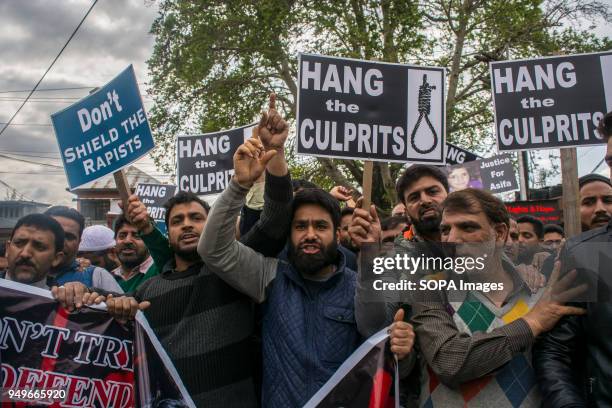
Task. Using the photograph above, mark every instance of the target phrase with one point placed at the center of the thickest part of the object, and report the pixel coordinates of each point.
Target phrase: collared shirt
(142, 268)
(144, 271)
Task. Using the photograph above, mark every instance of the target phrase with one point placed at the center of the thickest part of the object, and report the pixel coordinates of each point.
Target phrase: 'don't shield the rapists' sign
(103, 132)
(367, 110)
(552, 102)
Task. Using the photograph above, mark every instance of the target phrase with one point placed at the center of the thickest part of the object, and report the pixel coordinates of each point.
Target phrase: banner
(551, 102)
(495, 174)
(368, 110)
(367, 379)
(457, 155)
(55, 358)
(205, 162)
(103, 132)
(546, 211)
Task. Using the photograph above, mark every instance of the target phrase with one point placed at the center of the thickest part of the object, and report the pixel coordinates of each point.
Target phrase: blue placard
(103, 132)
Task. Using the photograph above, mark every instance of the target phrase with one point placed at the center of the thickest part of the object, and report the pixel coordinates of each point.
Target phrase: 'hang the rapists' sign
(154, 196)
(366, 110)
(551, 102)
(103, 132)
(205, 162)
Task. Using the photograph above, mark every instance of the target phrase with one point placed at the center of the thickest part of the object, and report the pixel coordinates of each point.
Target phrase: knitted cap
(97, 238)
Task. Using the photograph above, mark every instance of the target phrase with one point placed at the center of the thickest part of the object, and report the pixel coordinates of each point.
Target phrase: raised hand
(551, 306)
(402, 335)
(250, 161)
(365, 226)
(272, 130)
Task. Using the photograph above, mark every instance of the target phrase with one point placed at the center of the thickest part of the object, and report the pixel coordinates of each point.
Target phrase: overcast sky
(115, 34)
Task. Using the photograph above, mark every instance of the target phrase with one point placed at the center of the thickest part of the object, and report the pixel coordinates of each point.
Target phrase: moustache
(428, 207)
(602, 217)
(24, 262)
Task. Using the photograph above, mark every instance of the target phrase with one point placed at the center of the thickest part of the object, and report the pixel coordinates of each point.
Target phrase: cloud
(114, 35)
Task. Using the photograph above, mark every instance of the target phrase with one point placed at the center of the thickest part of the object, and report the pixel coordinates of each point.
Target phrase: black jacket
(573, 362)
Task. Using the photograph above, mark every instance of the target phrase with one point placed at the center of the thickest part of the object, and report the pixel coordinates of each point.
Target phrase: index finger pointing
(272, 101)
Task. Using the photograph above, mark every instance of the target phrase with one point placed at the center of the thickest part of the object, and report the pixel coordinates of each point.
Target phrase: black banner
(457, 155)
(367, 110)
(55, 358)
(495, 174)
(551, 102)
(205, 162)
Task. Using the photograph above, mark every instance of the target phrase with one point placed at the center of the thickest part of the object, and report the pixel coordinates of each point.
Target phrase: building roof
(133, 174)
(24, 203)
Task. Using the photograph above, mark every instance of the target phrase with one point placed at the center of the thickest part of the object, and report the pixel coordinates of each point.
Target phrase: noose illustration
(424, 110)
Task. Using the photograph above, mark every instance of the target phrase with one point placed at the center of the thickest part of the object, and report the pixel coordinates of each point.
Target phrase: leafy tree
(214, 63)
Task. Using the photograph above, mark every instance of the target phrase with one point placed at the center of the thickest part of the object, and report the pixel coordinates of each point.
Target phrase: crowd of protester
(258, 300)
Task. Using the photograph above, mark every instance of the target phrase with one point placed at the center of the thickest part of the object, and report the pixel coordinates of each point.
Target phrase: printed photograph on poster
(551, 102)
(205, 162)
(370, 110)
(495, 174)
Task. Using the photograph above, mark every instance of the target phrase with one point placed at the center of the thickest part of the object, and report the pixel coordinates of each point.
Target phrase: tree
(214, 63)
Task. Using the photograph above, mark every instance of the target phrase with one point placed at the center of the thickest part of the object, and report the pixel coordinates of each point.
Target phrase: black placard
(367, 110)
(551, 102)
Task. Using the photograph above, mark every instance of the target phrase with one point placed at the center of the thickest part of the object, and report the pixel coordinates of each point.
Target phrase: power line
(50, 66)
(30, 161)
(59, 89)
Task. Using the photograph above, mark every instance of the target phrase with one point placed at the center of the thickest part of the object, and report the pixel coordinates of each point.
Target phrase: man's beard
(189, 255)
(348, 244)
(131, 261)
(311, 264)
(428, 225)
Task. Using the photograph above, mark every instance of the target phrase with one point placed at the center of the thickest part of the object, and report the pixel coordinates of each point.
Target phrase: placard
(103, 132)
(552, 102)
(205, 162)
(368, 110)
(495, 174)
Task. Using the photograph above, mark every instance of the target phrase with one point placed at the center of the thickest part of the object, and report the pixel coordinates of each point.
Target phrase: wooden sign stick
(368, 167)
(569, 181)
(123, 186)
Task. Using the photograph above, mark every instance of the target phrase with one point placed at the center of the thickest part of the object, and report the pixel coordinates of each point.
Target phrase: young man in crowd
(135, 263)
(574, 361)
(314, 291)
(98, 247)
(69, 270)
(531, 234)
(512, 242)
(204, 324)
(553, 237)
(476, 344)
(595, 201)
(34, 249)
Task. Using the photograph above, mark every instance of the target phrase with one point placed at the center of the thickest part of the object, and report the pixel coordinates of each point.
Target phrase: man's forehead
(311, 212)
(525, 226)
(33, 232)
(187, 208)
(423, 183)
(456, 217)
(595, 188)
